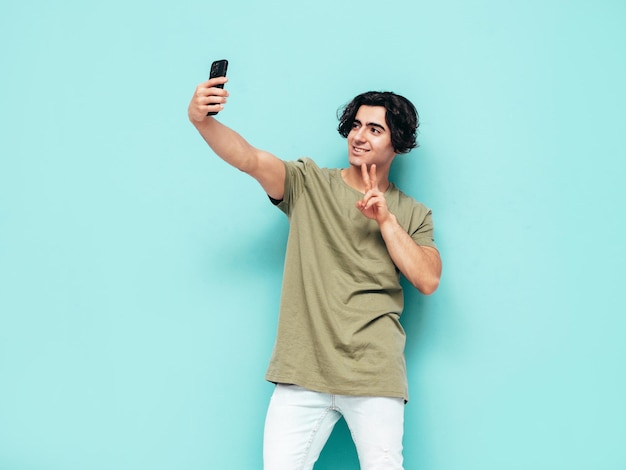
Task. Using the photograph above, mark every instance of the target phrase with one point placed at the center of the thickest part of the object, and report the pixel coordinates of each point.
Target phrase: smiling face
(369, 139)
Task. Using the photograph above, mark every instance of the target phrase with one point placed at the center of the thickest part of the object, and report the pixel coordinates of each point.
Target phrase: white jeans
(299, 423)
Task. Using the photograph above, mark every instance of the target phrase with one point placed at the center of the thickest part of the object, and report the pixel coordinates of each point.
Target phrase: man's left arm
(421, 265)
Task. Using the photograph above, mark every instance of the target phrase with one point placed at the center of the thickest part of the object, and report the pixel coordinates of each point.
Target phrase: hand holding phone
(218, 69)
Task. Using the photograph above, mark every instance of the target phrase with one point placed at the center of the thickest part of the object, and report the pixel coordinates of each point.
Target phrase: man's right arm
(266, 168)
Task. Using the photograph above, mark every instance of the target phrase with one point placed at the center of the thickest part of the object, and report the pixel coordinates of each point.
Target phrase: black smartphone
(218, 69)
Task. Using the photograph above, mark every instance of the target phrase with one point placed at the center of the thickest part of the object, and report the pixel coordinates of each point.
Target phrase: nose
(358, 134)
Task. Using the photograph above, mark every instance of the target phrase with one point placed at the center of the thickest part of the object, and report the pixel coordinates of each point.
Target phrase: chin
(358, 158)
(356, 161)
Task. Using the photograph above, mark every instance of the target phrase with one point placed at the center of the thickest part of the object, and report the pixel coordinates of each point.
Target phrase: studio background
(140, 275)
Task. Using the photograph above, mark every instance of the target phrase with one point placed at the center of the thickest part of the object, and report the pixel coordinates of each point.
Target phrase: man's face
(369, 140)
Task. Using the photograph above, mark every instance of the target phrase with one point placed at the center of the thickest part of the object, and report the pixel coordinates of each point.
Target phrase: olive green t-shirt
(339, 329)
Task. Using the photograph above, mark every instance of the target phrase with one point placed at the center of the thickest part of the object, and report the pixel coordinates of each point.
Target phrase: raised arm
(266, 168)
(421, 265)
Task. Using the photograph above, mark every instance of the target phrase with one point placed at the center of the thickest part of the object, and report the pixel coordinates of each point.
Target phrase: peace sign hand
(373, 205)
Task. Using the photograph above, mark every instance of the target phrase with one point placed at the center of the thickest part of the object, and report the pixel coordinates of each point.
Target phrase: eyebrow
(371, 124)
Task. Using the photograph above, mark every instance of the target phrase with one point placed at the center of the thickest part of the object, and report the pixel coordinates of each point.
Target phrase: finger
(204, 109)
(376, 203)
(201, 99)
(369, 196)
(366, 177)
(363, 202)
(209, 104)
(213, 82)
(213, 99)
(373, 178)
(217, 83)
(215, 108)
(203, 92)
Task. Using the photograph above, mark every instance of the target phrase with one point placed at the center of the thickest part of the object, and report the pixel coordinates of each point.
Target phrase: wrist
(388, 223)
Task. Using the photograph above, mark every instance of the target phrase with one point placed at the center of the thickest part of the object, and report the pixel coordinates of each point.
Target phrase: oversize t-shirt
(339, 329)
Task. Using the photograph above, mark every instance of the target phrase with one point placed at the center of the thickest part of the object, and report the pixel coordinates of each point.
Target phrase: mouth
(359, 149)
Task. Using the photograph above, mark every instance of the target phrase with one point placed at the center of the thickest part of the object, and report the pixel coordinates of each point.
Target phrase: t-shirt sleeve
(295, 172)
(422, 230)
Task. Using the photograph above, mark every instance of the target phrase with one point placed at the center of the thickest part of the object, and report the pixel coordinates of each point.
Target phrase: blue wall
(140, 275)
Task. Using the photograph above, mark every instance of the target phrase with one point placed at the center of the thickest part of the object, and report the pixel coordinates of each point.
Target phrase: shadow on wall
(258, 252)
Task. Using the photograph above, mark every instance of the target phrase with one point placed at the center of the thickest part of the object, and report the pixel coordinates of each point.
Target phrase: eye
(355, 124)
(375, 130)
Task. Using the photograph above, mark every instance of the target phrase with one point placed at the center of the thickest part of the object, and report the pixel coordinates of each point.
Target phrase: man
(340, 346)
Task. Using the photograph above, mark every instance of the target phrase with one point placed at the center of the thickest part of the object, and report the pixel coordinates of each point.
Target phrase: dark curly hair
(401, 117)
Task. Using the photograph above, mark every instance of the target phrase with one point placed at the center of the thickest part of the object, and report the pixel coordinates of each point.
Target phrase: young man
(340, 346)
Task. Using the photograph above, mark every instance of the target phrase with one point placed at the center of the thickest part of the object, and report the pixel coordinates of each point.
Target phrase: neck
(353, 178)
